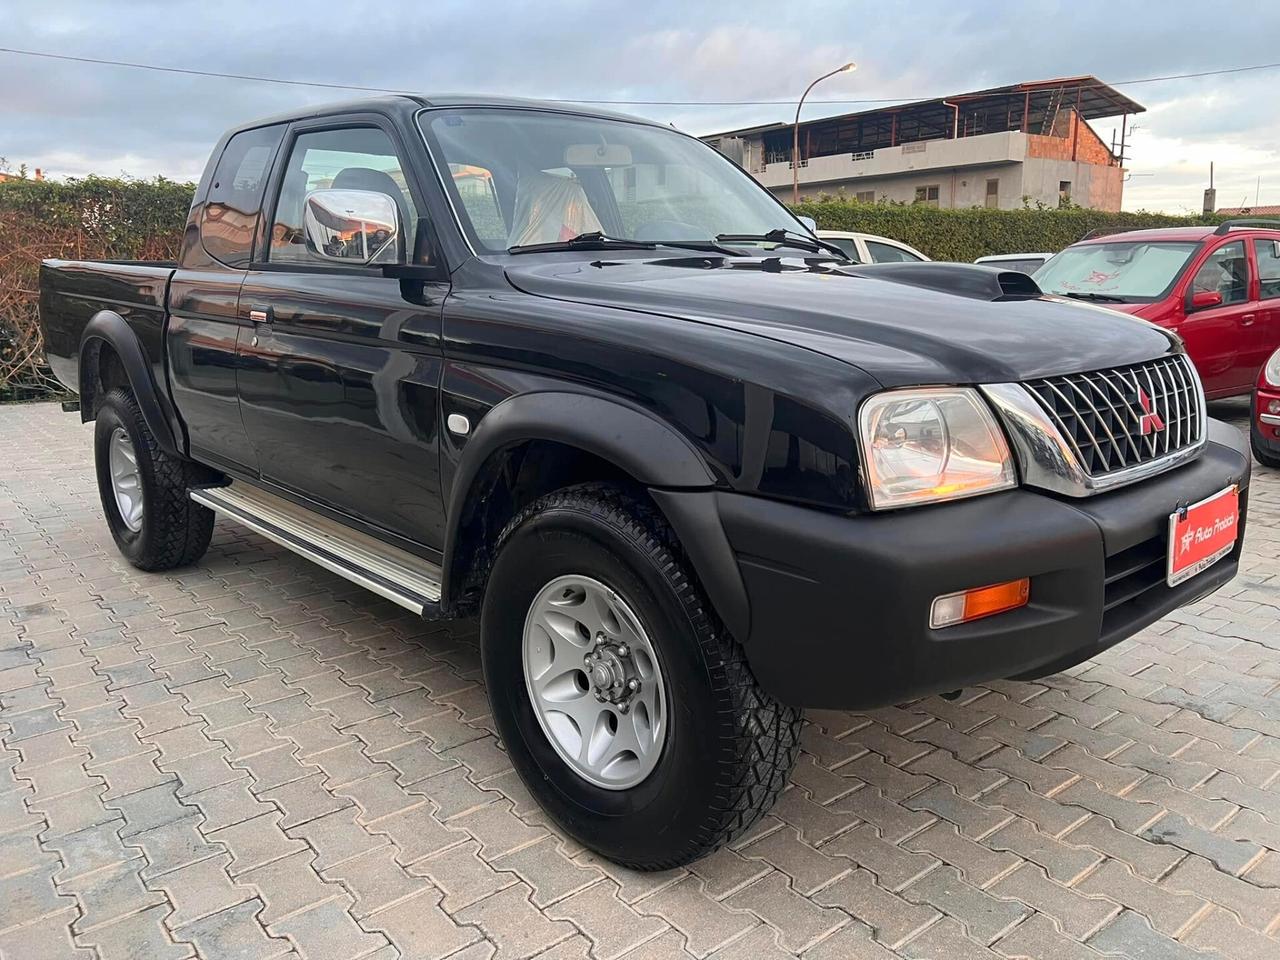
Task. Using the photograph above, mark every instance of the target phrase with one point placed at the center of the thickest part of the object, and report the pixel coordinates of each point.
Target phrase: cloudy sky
(72, 118)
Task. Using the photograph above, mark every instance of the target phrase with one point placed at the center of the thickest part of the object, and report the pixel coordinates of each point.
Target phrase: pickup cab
(1218, 288)
(578, 375)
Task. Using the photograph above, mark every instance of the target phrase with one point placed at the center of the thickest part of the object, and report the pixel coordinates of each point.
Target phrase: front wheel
(628, 710)
(1264, 457)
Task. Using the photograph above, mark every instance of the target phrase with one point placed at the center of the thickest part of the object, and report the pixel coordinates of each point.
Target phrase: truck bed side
(72, 292)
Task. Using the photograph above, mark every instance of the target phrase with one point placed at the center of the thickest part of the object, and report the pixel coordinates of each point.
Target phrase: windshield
(521, 177)
(1133, 271)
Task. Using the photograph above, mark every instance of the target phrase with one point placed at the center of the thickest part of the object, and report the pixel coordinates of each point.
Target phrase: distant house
(1263, 211)
(989, 148)
(38, 175)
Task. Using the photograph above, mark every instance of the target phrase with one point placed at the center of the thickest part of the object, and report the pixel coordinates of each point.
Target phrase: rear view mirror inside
(597, 155)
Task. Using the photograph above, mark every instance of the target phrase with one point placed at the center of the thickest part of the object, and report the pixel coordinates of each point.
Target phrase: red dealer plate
(1202, 535)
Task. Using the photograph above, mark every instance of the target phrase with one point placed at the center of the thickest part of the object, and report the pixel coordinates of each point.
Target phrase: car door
(1219, 312)
(1267, 267)
(204, 329)
(339, 384)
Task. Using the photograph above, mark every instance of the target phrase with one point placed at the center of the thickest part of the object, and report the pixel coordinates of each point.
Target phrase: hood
(900, 334)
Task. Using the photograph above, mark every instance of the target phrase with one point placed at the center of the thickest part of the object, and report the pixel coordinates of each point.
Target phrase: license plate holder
(1202, 534)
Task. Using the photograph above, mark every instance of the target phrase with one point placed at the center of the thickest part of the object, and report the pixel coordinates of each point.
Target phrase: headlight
(926, 445)
(1272, 370)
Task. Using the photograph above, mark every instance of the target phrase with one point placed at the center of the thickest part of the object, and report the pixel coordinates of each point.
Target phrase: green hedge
(93, 218)
(967, 234)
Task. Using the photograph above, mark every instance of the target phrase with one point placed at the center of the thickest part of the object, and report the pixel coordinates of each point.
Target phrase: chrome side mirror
(355, 227)
(809, 222)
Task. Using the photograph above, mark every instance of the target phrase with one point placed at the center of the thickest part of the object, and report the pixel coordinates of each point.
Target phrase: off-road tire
(175, 530)
(729, 746)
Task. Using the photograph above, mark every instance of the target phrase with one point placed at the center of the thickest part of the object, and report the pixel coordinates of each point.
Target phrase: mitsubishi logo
(1150, 422)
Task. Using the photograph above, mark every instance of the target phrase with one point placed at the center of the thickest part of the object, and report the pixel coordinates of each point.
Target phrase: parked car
(692, 470)
(1027, 263)
(868, 248)
(1264, 430)
(1217, 288)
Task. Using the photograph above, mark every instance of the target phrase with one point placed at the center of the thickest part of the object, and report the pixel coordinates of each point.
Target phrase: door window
(887, 253)
(354, 158)
(848, 245)
(230, 215)
(1268, 252)
(1227, 272)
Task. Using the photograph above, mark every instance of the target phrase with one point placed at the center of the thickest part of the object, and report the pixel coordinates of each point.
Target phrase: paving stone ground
(253, 758)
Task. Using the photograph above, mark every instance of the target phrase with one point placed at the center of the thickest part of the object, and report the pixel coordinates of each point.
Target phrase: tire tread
(760, 735)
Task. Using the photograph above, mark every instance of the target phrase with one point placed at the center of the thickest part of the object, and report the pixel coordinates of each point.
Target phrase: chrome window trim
(1047, 462)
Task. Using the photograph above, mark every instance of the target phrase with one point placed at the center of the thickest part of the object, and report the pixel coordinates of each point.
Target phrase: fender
(113, 329)
(634, 441)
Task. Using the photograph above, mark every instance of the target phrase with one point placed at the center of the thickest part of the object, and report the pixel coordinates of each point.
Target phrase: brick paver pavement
(253, 758)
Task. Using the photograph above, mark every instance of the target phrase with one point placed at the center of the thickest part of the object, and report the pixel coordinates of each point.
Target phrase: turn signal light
(980, 602)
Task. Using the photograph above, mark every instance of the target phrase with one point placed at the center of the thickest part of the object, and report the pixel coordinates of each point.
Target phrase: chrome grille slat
(1101, 414)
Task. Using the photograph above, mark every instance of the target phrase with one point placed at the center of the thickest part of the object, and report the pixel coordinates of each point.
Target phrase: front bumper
(839, 606)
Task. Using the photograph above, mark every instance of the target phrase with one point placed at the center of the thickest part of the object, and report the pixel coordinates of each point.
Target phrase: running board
(397, 575)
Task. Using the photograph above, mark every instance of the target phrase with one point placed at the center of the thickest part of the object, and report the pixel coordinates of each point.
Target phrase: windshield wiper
(1095, 297)
(784, 237)
(595, 240)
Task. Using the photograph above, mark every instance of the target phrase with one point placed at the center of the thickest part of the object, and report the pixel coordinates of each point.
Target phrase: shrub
(93, 218)
(967, 234)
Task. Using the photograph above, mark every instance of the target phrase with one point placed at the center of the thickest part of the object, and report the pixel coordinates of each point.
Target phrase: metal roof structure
(1032, 107)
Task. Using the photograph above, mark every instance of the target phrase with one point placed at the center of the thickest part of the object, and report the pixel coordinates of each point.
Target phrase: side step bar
(397, 575)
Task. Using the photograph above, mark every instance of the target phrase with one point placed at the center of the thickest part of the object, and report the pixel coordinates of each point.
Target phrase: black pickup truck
(580, 375)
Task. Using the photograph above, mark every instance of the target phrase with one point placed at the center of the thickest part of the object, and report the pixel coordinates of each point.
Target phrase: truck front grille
(1126, 416)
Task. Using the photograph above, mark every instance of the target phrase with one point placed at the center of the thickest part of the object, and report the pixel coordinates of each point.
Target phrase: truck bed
(73, 291)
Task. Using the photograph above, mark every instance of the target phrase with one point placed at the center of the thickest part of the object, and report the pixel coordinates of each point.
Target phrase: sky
(72, 119)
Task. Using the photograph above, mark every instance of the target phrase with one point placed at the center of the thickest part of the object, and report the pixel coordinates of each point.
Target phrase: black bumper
(839, 606)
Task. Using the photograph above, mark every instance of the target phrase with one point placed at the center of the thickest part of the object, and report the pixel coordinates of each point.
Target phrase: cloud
(73, 119)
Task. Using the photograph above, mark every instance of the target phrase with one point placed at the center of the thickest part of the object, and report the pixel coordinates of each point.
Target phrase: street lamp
(795, 138)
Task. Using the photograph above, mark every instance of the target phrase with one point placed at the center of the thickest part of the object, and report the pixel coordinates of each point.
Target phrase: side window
(1268, 252)
(231, 209)
(848, 245)
(887, 253)
(1227, 272)
(353, 158)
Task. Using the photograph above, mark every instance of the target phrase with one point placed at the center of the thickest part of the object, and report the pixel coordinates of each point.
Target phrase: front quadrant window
(1131, 272)
(550, 177)
(351, 158)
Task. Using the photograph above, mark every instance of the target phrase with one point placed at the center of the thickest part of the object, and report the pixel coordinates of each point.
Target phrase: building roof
(1091, 97)
(1263, 211)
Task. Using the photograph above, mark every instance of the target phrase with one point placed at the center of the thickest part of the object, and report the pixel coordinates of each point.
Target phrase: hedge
(966, 234)
(92, 218)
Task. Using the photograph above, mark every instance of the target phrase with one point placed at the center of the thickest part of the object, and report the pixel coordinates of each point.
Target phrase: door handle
(262, 314)
(1247, 320)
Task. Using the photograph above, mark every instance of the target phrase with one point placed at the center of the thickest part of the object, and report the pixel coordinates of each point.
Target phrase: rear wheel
(144, 490)
(628, 710)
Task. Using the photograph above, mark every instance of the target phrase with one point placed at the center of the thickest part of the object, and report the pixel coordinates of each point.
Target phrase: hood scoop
(962, 279)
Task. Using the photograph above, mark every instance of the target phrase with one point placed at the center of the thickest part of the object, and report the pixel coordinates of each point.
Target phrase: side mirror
(1205, 298)
(809, 222)
(354, 227)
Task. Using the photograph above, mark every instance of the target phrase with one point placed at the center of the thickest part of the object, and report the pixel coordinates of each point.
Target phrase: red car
(1265, 425)
(1218, 288)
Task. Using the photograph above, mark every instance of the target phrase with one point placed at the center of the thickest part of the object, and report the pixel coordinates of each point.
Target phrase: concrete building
(992, 148)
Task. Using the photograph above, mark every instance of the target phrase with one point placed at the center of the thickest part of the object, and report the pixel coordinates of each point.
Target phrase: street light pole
(795, 133)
